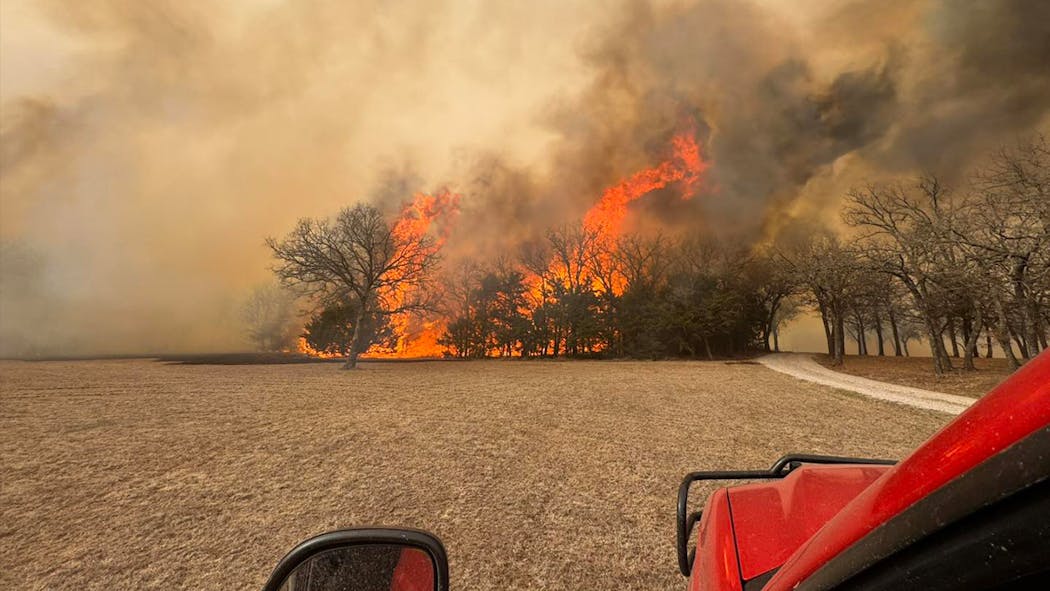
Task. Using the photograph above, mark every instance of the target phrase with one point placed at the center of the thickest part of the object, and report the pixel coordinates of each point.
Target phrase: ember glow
(416, 339)
(301, 346)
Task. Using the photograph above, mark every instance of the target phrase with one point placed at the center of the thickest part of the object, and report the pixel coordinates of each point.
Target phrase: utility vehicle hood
(748, 531)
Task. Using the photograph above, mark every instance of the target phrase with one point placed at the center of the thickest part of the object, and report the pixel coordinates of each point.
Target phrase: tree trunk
(828, 333)
(970, 348)
(952, 335)
(964, 330)
(896, 334)
(1002, 333)
(904, 344)
(1028, 337)
(988, 343)
(776, 340)
(1008, 351)
(862, 343)
(1033, 335)
(941, 363)
(878, 333)
(707, 348)
(767, 330)
(1021, 345)
(933, 329)
(839, 337)
(842, 338)
(946, 362)
(355, 345)
(863, 334)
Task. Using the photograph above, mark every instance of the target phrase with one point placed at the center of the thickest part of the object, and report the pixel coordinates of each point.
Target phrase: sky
(149, 147)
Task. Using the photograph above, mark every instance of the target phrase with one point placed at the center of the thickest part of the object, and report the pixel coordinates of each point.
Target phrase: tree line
(571, 294)
(575, 295)
(919, 261)
(956, 267)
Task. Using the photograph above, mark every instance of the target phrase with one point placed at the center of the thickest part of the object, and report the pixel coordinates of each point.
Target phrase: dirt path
(803, 367)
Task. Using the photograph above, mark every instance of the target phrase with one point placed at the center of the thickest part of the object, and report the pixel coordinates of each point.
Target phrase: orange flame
(606, 217)
(417, 337)
(605, 220)
(303, 347)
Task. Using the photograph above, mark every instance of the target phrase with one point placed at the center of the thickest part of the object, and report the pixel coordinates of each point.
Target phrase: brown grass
(537, 475)
(918, 372)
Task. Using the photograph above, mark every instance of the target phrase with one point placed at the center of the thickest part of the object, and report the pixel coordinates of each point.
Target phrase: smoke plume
(149, 147)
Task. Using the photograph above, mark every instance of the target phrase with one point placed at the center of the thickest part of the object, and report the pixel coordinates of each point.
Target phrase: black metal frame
(365, 535)
(687, 521)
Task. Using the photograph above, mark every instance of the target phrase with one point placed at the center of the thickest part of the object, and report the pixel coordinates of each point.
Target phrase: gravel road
(803, 367)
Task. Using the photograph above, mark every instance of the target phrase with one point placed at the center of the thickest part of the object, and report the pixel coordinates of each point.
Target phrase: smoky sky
(149, 147)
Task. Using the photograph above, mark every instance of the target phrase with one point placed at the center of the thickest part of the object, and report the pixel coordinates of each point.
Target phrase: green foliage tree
(332, 330)
(648, 297)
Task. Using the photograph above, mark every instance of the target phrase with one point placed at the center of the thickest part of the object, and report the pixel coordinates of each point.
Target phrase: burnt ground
(917, 372)
(537, 475)
(249, 358)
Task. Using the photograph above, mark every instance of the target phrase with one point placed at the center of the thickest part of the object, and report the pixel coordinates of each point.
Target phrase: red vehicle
(969, 509)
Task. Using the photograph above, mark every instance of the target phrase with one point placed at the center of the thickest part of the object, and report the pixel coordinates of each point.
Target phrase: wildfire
(415, 337)
(423, 211)
(301, 346)
(603, 224)
(605, 220)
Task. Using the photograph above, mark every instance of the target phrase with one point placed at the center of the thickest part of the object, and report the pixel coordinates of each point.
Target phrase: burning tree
(330, 332)
(487, 311)
(361, 260)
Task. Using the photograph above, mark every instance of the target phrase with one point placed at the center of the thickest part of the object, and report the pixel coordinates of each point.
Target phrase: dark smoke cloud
(980, 78)
(144, 164)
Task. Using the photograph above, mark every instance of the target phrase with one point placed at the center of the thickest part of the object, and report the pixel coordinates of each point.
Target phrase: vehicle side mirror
(364, 559)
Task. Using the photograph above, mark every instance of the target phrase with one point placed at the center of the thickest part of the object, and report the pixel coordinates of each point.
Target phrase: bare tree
(269, 316)
(787, 311)
(644, 262)
(774, 283)
(1007, 238)
(574, 250)
(829, 275)
(910, 328)
(908, 234)
(362, 258)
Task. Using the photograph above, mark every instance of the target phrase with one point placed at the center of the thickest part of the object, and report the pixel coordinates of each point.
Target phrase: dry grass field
(918, 372)
(537, 475)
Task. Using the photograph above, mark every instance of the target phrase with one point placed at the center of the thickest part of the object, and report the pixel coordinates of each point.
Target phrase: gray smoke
(148, 147)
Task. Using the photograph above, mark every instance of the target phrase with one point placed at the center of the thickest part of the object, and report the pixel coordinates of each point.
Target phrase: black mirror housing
(344, 547)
